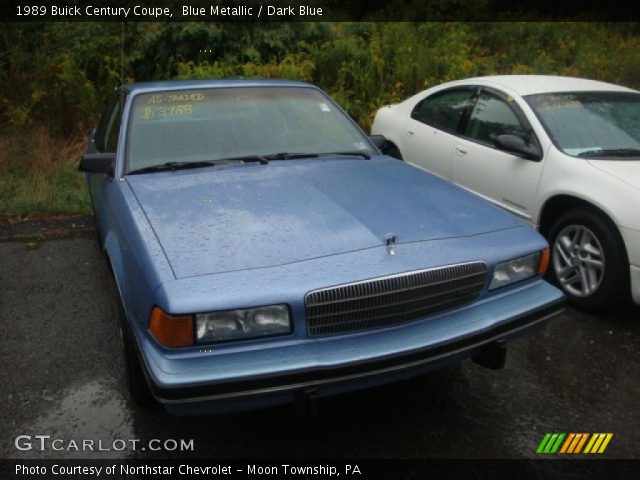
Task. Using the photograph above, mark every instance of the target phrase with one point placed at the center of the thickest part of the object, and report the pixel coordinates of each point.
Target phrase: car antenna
(121, 65)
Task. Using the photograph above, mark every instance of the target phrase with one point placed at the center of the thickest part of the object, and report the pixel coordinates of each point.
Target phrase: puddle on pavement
(91, 411)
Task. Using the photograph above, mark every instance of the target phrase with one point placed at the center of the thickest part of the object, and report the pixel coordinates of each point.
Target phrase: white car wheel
(588, 259)
(578, 260)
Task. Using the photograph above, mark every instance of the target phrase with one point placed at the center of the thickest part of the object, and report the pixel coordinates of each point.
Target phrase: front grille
(391, 300)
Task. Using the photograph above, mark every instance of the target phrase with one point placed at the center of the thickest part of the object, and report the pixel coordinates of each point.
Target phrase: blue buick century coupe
(265, 251)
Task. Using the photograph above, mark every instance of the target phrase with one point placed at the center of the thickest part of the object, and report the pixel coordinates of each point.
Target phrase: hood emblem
(390, 240)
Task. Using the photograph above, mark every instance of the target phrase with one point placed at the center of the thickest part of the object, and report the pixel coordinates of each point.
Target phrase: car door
(509, 180)
(431, 128)
(105, 141)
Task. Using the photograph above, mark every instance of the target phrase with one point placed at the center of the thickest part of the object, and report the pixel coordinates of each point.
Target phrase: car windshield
(591, 124)
(204, 125)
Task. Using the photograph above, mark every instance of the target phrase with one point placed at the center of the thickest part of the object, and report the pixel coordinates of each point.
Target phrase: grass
(39, 175)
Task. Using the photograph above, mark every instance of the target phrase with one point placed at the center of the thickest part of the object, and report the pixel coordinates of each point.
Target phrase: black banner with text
(312, 10)
(317, 468)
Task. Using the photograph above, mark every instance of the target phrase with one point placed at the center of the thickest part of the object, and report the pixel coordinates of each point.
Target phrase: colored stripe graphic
(591, 442)
(567, 443)
(550, 443)
(543, 443)
(604, 445)
(573, 443)
(581, 443)
(556, 445)
(598, 442)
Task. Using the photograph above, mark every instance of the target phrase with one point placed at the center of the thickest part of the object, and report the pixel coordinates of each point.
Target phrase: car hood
(626, 170)
(229, 218)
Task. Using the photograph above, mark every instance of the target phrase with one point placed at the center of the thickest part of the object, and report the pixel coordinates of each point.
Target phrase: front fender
(114, 253)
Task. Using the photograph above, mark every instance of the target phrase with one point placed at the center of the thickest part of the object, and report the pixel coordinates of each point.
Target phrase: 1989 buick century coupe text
(264, 249)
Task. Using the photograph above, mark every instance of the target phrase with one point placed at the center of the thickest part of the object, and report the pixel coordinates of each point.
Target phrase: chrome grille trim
(393, 299)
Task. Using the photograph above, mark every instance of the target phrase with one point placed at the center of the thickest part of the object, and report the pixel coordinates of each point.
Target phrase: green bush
(293, 67)
(57, 76)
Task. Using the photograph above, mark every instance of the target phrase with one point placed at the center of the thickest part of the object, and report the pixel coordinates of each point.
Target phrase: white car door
(509, 180)
(429, 131)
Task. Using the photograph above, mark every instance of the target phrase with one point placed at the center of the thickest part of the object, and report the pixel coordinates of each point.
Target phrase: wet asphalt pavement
(61, 374)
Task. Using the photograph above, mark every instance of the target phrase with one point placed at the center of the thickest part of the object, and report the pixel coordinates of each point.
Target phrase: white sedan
(562, 153)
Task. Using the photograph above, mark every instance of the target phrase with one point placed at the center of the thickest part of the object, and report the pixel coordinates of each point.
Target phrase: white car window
(443, 110)
(492, 117)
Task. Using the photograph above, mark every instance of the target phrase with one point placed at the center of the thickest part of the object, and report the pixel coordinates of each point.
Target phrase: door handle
(410, 132)
(461, 151)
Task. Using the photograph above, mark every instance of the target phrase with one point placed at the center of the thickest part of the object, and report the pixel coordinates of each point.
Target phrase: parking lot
(62, 375)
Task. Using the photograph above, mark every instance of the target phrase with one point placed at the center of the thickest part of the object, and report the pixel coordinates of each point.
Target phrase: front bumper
(632, 242)
(256, 378)
(635, 284)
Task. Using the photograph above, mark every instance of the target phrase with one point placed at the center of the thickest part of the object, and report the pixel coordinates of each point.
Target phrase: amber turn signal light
(169, 330)
(544, 262)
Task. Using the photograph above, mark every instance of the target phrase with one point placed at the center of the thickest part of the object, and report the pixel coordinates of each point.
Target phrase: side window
(109, 130)
(492, 116)
(112, 130)
(443, 110)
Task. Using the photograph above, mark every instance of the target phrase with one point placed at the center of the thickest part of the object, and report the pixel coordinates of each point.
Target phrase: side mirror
(98, 163)
(517, 145)
(378, 140)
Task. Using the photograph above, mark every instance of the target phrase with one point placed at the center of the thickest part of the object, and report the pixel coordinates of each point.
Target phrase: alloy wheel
(578, 260)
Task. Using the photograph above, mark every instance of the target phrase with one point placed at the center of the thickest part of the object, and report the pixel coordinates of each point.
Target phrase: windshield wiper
(612, 152)
(354, 153)
(289, 156)
(261, 159)
(173, 166)
(204, 163)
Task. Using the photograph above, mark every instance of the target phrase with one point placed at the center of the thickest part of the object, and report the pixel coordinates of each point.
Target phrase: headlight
(519, 269)
(242, 324)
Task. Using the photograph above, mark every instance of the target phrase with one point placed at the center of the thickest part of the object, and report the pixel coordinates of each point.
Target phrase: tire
(392, 151)
(588, 260)
(136, 380)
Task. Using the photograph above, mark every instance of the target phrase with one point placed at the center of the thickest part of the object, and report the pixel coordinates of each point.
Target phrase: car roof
(212, 83)
(533, 84)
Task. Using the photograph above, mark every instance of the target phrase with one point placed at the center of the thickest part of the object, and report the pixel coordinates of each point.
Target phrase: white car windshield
(591, 124)
(209, 124)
